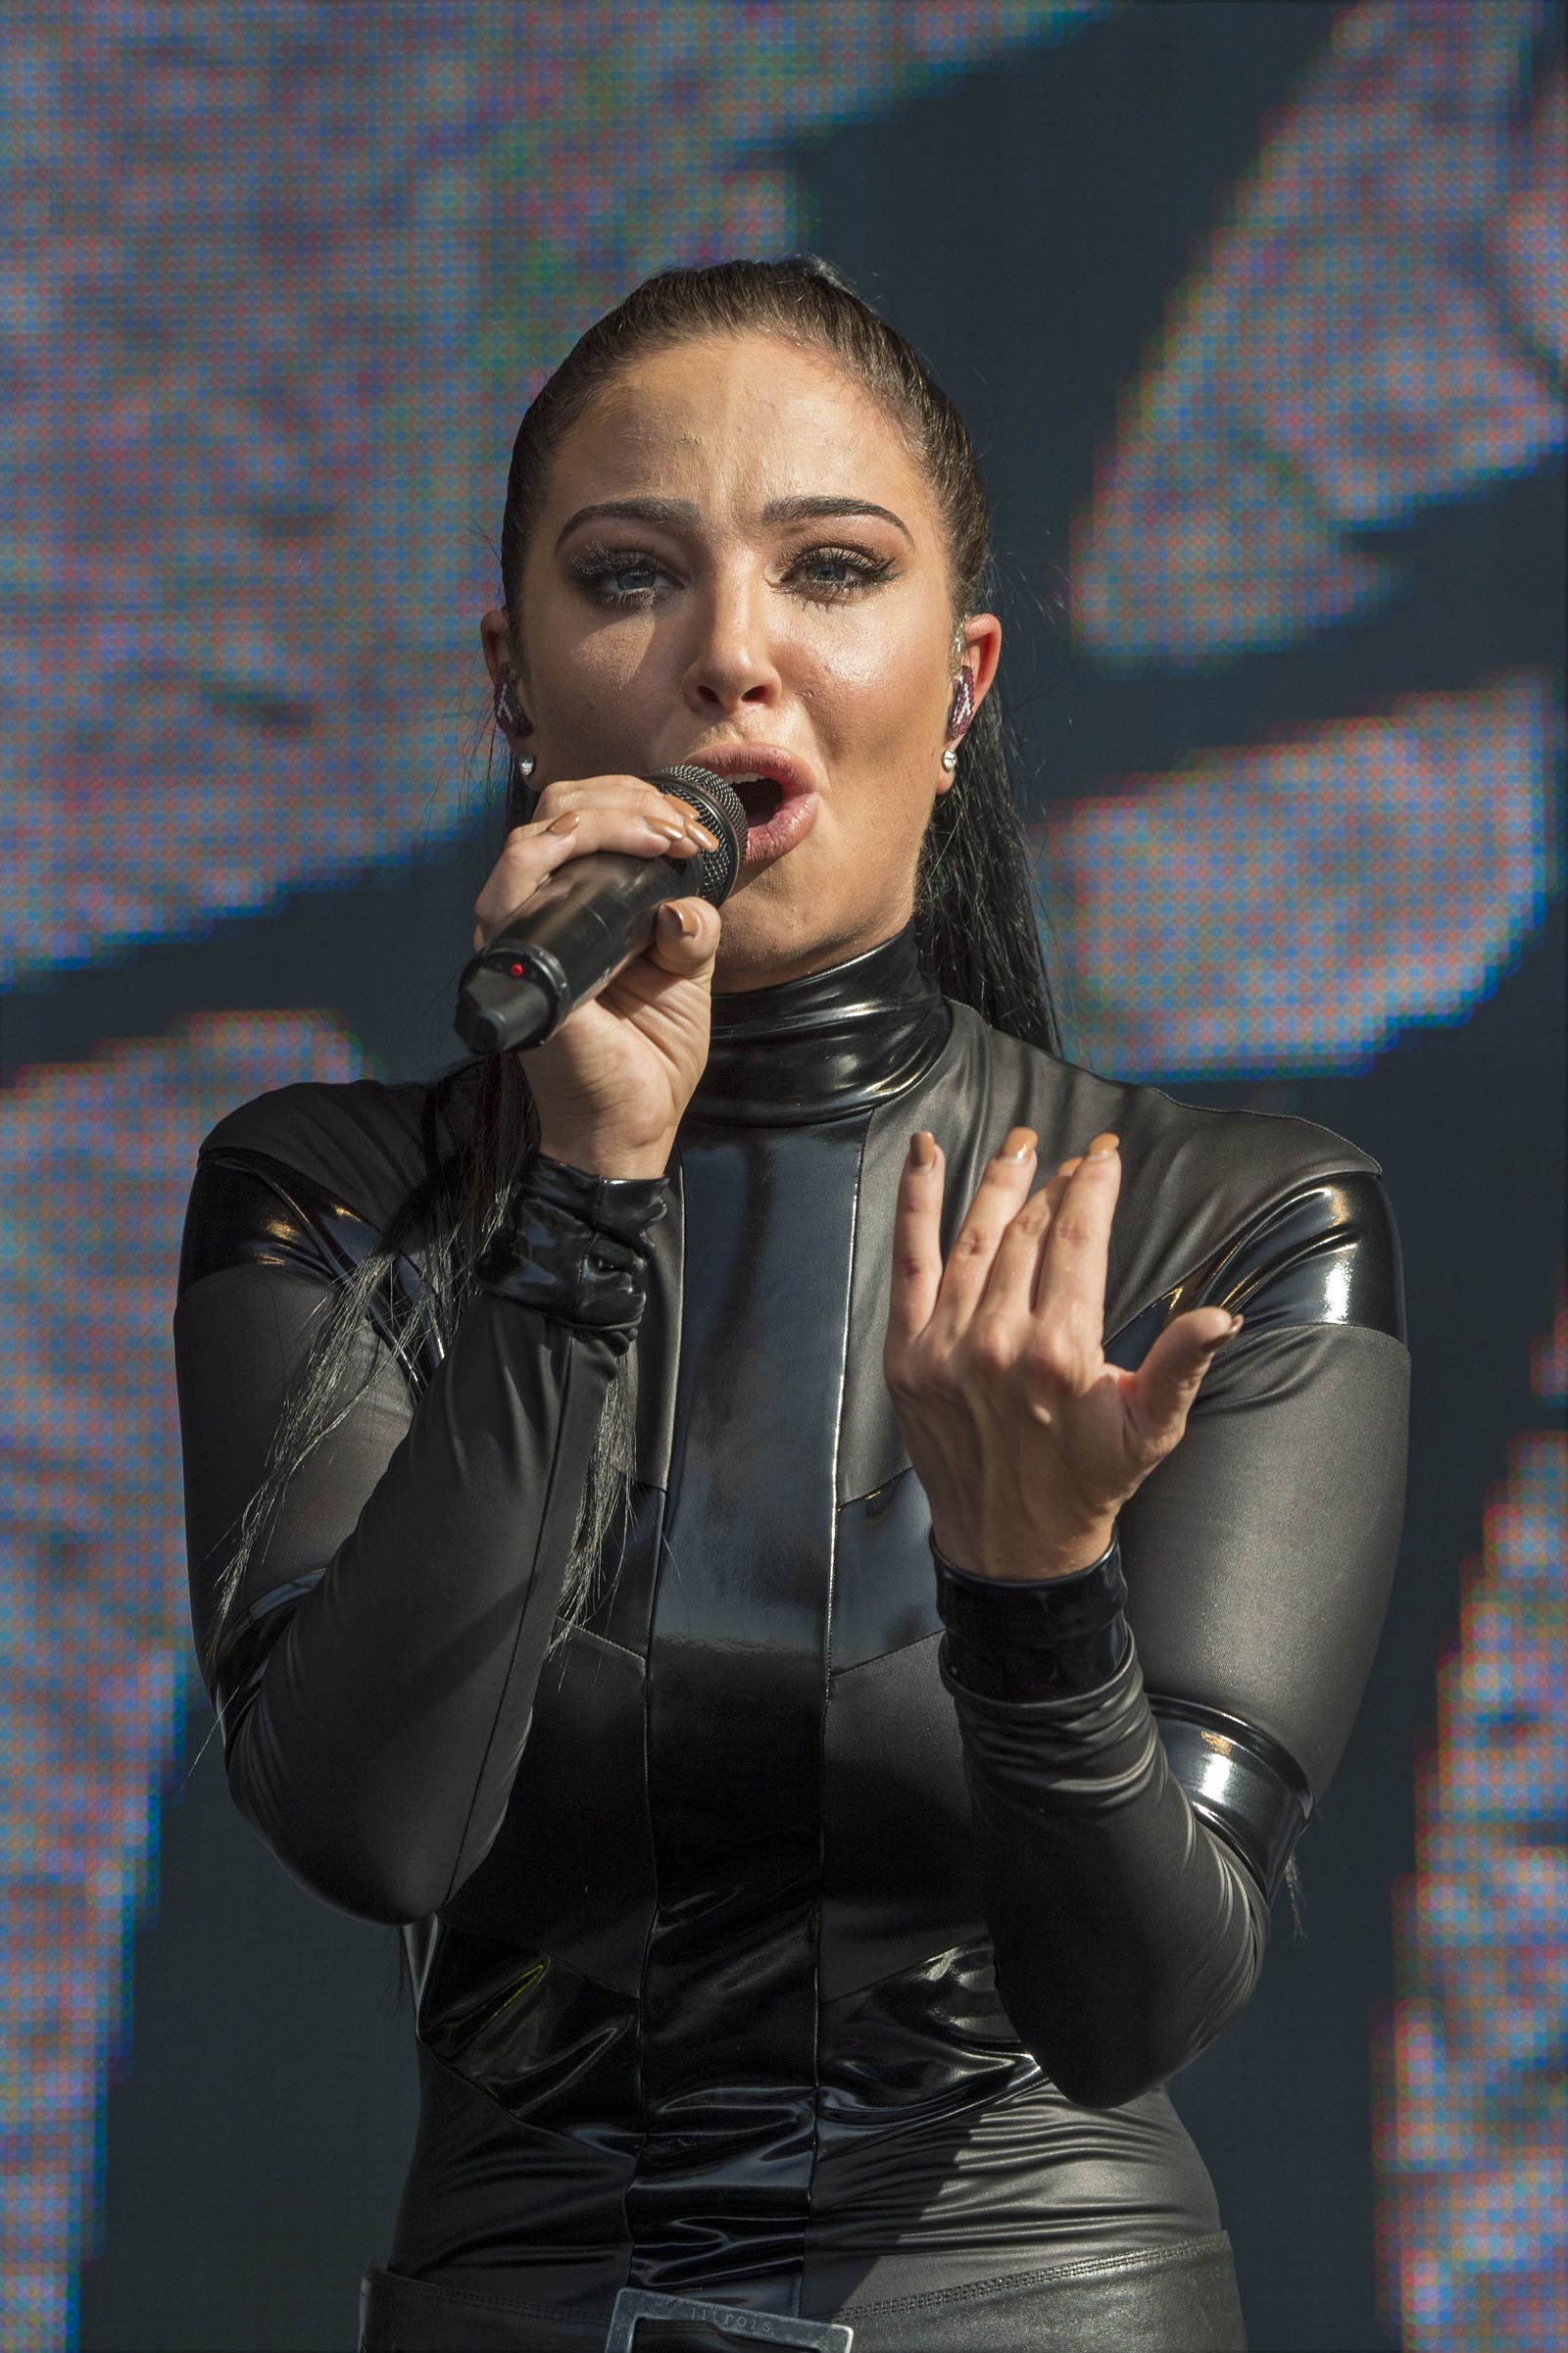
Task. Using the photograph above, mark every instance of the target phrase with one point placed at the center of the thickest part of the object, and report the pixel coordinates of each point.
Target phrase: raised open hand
(1026, 1440)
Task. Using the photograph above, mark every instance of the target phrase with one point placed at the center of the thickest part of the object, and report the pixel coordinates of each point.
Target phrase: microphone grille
(722, 811)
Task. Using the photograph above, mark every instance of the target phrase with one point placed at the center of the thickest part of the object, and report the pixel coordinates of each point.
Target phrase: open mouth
(776, 789)
(759, 796)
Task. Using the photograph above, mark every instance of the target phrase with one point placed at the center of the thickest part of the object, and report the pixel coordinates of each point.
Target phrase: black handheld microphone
(590, 917)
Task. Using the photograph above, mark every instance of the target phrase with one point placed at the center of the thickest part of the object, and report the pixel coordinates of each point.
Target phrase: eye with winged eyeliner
(605, 573)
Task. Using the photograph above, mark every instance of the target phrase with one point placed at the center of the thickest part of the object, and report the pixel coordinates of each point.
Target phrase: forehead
(733, 420)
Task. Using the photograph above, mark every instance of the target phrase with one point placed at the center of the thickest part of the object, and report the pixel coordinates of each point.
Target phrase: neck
(825, 1045)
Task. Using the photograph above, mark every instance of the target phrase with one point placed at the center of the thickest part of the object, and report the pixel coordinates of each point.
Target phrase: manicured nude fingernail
(709, 841)
(1020, 1146)
(923, 1147)
(1237, 1322)
(567, 825)
(1104, 1148)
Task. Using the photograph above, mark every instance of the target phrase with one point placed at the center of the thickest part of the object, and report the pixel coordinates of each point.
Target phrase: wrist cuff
(575, 1244)
(1038, 1638)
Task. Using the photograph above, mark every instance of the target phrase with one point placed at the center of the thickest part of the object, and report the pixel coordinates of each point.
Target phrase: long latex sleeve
(1129, 1912)
(392, 1635)
(1126, 1933)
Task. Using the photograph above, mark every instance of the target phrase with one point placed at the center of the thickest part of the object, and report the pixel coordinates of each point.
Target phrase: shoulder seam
(269, 1164)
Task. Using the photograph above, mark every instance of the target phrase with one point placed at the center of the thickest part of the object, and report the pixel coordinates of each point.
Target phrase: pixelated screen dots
(211, 504)
(268, 339)
(1469, 2127)
(1294, 906)
(1355, 343)
(95, 1666)
(643, 146)
(1548, 1360)
(1530, 236)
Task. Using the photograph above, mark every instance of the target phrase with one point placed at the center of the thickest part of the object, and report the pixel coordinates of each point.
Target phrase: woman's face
(736, 554)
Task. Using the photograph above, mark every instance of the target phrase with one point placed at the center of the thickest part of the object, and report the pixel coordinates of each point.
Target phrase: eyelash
(597, 571)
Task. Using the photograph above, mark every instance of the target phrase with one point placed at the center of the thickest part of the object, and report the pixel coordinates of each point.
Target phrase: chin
(752, 955)
(768, 938)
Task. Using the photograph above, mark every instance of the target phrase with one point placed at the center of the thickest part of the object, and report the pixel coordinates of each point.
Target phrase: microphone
(589, 918)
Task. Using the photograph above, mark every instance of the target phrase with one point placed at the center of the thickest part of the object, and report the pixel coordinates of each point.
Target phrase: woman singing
(754, 1531)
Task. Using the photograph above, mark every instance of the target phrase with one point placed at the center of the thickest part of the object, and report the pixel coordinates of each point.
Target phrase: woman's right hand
(611, 1084)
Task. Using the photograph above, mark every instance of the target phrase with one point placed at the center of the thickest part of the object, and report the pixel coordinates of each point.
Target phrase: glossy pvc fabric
(755, 1957)
(1179, 2299)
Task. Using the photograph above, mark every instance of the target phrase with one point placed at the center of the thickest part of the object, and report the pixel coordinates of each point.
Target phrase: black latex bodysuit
(758, 1954)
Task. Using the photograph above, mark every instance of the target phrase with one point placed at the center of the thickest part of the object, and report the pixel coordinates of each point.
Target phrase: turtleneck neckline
(825, 1045)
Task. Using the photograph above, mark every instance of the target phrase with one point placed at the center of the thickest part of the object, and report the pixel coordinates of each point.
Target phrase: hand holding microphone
(617, 1039)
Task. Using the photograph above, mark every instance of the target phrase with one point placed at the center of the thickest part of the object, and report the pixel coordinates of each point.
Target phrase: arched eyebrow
(632, 510)
(806, 509)
(811, 509)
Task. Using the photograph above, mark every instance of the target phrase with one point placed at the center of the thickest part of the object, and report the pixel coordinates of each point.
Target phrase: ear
(496, 638)
(982, 651)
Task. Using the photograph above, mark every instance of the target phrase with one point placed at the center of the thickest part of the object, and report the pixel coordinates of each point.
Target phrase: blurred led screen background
(1256, 309)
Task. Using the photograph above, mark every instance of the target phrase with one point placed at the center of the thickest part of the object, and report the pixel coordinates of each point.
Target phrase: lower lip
(790, 823)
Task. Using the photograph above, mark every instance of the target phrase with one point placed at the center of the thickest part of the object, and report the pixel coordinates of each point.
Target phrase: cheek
(595, 675)
(875, 693)
(615, 650)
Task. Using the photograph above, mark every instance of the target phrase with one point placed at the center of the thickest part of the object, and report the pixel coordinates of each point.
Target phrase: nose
(732, 661)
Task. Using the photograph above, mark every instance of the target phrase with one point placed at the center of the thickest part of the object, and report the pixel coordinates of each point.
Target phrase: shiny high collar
(823, 1046)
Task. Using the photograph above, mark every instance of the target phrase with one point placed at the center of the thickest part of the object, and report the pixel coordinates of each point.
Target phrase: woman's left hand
(1026, 1440)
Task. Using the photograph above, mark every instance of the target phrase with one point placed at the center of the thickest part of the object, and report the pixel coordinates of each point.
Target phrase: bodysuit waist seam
(1137, 2259)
